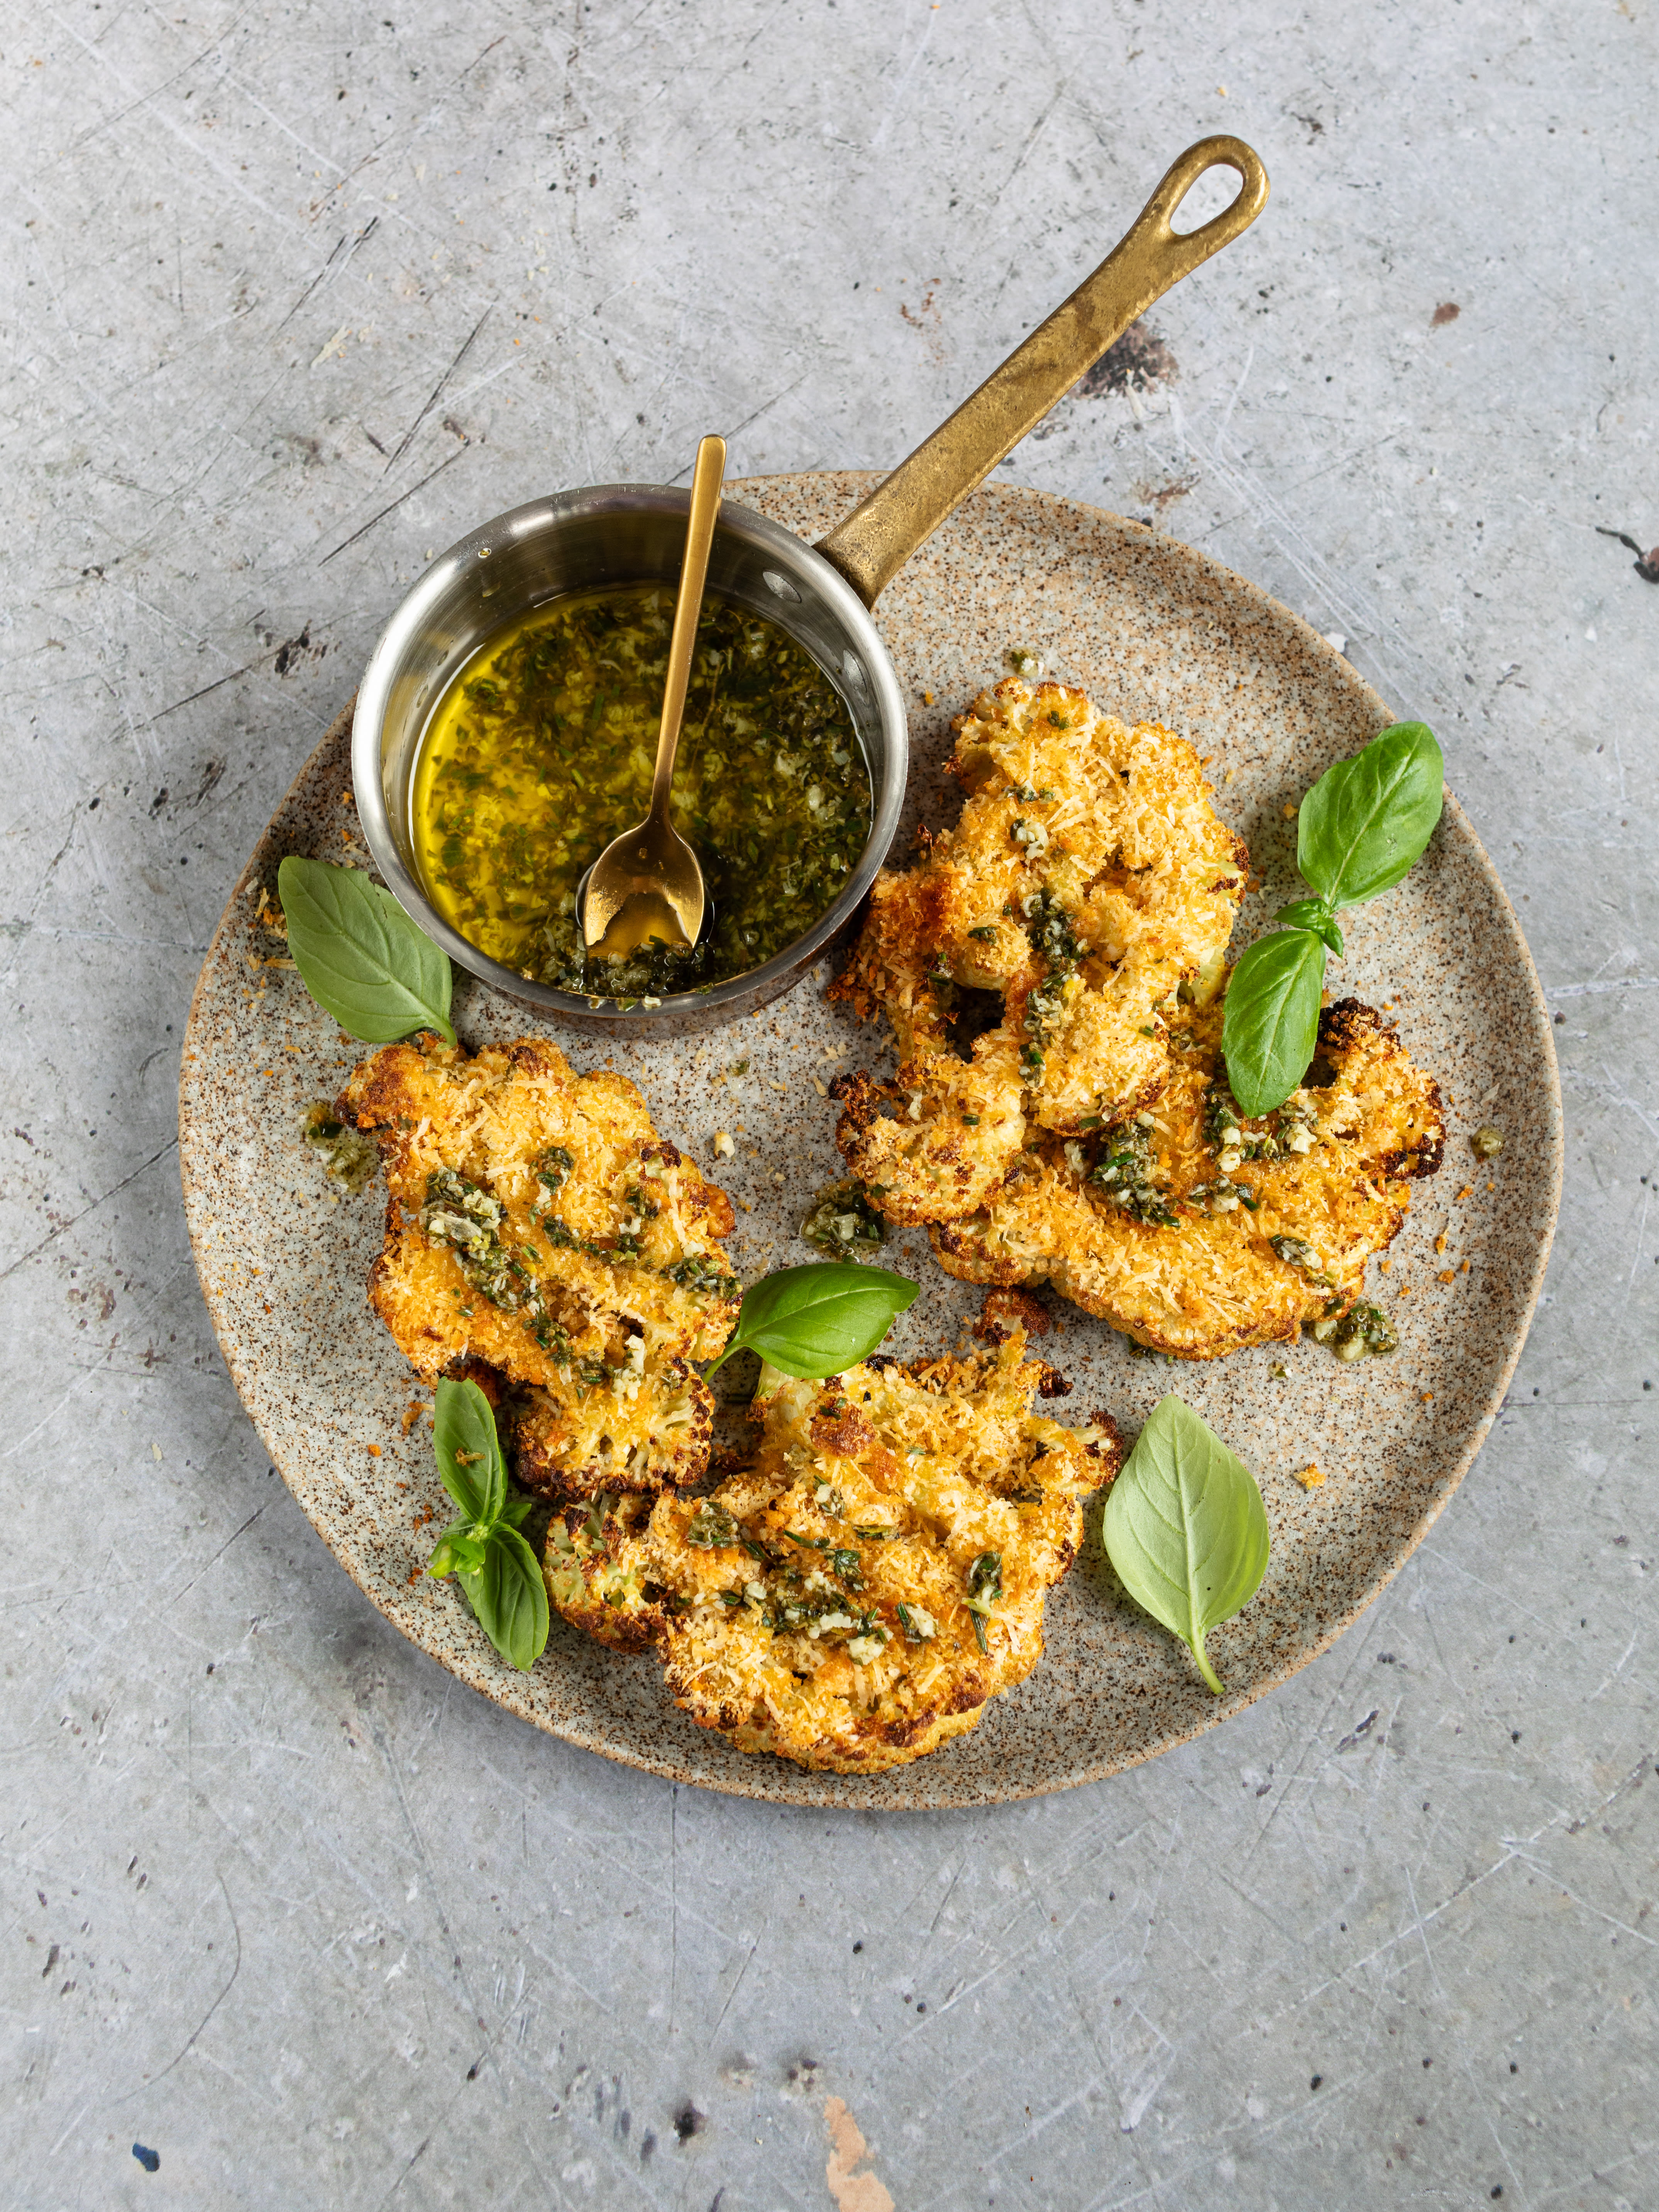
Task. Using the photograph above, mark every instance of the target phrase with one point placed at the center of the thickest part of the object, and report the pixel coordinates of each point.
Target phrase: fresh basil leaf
(819, 1320)
(359, 954)
(510, 1598)
(1367, 819)
(469, 1452)
(1185, 1527)
(497, 1569)
(1313, 915)
(1270, 1025)
(458, 1551)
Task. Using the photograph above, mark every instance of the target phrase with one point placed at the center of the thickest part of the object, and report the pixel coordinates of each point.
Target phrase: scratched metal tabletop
(294, 296)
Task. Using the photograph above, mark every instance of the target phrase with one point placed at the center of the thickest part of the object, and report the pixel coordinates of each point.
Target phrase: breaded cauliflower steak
(572, 1441)
(1087, 877)
(1197, 1231)
(851, 1600)
(537, 1222)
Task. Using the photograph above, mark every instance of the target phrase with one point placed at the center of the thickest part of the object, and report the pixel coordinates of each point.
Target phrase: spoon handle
(882, 531)
(706, 480)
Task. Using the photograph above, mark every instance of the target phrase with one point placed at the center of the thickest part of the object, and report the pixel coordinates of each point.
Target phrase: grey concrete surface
(293, 294)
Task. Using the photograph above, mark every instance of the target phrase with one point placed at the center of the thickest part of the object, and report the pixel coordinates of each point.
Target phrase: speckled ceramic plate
(1152, 630)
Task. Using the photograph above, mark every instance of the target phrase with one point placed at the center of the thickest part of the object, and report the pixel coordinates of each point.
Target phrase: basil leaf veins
(819, 1320)
(468, 1450)
(510, 1598)
(359, 954)
(1270, 1020)
(1367, 819)
(497, 1569)
(1185, 1528)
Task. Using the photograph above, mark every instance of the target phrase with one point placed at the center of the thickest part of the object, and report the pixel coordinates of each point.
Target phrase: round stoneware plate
(1153, 631)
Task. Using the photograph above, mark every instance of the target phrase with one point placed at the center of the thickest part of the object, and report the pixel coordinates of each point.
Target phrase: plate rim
(779, 1781)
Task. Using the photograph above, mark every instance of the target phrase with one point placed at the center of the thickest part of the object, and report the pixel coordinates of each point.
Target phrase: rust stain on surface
(1138, 361)
(1157, 496)
(852, 2192)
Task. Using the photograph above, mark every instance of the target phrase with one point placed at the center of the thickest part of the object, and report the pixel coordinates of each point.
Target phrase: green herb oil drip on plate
(541, 752)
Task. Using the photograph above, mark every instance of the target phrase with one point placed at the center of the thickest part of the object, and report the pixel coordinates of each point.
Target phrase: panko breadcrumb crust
(601, 1245)
(1087, 877)
(1211, 1281)
(853, 1598)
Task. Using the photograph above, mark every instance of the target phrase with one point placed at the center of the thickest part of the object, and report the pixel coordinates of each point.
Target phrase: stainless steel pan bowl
(821, 595)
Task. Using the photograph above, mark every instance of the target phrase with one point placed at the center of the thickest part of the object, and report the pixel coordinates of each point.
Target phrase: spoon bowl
(637, 923)
(651, 886)
(647, 882)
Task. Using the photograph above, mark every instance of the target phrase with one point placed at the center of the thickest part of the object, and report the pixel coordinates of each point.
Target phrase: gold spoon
(646, 883)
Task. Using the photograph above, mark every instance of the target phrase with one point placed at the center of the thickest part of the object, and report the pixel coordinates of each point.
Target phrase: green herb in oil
(542, 750)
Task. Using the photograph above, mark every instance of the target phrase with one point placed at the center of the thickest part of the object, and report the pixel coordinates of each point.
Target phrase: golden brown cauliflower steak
(1196, 1231)
(1087, 878)
(536, 1223)
(852, 1600)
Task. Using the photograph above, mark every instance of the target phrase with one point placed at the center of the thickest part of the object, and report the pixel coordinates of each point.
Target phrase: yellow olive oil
(540, 752)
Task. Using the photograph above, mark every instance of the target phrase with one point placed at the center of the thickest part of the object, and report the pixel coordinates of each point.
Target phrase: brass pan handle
(881, 533)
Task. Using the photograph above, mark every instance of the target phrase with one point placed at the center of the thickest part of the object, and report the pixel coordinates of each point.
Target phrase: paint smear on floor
(852, 2192)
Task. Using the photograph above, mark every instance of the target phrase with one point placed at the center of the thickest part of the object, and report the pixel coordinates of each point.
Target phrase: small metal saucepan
(821, 595)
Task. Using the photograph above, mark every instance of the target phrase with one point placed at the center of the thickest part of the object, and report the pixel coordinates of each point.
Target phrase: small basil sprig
(1358, 831)
(1185, 1527)
(359, 954)
(497, 1569)
(819, 1320)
